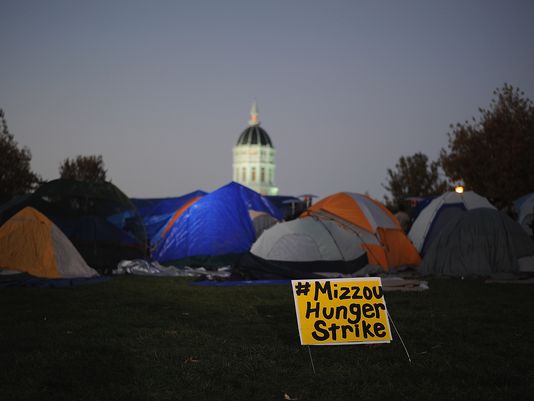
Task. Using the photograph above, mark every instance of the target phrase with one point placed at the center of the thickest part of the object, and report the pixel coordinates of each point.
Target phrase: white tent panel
(375, 215)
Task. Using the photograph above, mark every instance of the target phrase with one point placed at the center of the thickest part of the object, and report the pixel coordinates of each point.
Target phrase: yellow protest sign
(341, 311)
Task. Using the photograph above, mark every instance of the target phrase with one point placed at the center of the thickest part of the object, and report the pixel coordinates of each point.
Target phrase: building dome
(254, 156)
(255, 135)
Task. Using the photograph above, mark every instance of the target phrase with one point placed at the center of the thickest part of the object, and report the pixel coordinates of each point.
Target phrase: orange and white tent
(31, 243)
(394, 248)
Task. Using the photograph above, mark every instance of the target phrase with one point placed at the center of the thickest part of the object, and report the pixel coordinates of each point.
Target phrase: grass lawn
(146, 338)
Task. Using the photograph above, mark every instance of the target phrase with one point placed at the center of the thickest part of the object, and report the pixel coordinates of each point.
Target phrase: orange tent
(31, 243)
(395, 249)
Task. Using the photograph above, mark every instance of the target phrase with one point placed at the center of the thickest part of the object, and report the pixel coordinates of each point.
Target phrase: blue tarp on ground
(239, 283)
(218, 224)
(27, 280)
(157, 212)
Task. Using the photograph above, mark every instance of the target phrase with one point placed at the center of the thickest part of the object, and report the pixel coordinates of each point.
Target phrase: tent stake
(402, 342)
(311, 359)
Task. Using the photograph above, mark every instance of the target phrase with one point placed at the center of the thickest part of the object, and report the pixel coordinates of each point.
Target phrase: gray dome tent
(305, 248)
(525, 212)
(439, 212)
(478, 242)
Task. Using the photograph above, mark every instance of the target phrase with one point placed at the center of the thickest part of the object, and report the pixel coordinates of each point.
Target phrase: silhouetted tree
(493, 155)
(83, 168)
(16, 177)
(413, 176)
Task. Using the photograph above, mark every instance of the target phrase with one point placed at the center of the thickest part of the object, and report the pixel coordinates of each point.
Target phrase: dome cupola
(255, 135)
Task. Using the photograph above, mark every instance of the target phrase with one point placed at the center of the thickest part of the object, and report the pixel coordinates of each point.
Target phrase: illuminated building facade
(254, 154)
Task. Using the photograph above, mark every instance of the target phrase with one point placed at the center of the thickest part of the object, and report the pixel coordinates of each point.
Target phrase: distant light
(459, 189)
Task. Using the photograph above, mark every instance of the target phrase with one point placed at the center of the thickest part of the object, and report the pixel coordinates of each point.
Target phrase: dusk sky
(162, 89)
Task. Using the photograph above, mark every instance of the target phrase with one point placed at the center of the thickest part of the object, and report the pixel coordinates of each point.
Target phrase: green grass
(145, 338)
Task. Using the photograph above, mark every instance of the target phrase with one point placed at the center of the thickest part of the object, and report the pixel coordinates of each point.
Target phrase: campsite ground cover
(146, 338)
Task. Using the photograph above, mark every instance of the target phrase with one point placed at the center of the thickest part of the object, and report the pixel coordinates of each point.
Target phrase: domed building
(254, 157)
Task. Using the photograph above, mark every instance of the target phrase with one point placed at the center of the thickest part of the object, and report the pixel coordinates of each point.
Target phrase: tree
(493, 155)
(16, 177)
(83, 168)
(413, 176)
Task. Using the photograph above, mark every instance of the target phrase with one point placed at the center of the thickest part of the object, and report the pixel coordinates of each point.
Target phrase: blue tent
(291, 206)
(218, 224)
(157, 212)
